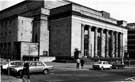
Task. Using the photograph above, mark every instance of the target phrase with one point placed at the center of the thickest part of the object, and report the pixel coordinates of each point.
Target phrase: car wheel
(46, 71)
(110, 68)
(1, 68)
(20, 73)
(102, 68)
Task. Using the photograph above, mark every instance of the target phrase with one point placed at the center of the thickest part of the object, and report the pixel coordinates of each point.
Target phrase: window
(36, 38)
(32, 64)
(39, 64)
(17, 63)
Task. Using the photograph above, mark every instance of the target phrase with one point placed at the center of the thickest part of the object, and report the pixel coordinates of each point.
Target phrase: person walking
(77, 63)
(26, 75)
(82, 62)
(76, 53)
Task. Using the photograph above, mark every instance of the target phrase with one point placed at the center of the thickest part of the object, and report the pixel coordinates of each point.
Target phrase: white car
(34, 67)
(102, 65)
(6, 65)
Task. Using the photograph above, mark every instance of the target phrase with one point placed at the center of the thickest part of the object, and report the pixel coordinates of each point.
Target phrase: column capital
(107, 31)
(120, 33)
(116, 32)
(100, 29)
(82, 25)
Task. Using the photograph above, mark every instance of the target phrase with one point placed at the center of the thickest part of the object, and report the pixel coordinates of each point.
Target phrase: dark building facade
(131, 40)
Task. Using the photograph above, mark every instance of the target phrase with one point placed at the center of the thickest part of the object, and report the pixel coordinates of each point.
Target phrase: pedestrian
(76, 53)
(82, 62)
(78, 63)
(26, 74)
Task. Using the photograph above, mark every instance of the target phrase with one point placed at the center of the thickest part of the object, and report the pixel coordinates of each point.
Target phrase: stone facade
(58, 27)
(89, 31)
(26, 24)
(60, 37)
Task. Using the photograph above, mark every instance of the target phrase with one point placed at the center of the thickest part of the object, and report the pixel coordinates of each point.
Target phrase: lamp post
(38, 50)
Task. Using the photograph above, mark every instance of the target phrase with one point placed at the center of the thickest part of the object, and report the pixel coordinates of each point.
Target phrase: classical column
(103, 43)
(121, 44)
(95, 40)
(112, 44)
(107, 44)
(82, 39)
(116, 44)
(90, 46)
(102, 47)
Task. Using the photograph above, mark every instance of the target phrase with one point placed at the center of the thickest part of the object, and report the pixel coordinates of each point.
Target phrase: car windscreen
(99, 62)
(17, 63)
(103, 62)
(4, 63)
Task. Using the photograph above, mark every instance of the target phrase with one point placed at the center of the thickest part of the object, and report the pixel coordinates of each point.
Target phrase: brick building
(57, 28)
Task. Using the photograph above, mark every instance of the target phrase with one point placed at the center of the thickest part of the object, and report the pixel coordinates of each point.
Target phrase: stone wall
(24, 29)
(44, 35)
(60, 37)
(76, 36)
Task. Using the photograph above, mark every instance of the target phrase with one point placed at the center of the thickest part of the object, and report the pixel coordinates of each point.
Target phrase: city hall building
(57, 28)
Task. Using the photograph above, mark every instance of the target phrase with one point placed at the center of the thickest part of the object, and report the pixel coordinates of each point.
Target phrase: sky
(119, 9)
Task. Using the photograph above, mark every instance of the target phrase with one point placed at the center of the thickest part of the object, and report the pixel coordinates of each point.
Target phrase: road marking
(131, 78)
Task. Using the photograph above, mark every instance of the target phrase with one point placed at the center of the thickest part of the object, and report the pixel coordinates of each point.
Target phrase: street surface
(84, 76)
(66, 72)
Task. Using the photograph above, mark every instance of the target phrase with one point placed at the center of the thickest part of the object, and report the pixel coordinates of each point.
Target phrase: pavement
(6, 78)
(58, 66)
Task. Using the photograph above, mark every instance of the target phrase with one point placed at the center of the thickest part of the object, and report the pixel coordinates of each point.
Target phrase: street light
(38, 50)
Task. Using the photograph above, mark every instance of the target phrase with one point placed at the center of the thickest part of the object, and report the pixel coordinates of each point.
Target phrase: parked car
(102, 65)
(118, 65)
(6, 65)
(34, 67)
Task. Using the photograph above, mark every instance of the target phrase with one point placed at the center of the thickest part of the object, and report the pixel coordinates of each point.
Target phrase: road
(84, 76)
(66, 72)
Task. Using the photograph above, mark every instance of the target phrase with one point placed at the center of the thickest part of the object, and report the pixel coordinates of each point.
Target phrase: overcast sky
(119, 9)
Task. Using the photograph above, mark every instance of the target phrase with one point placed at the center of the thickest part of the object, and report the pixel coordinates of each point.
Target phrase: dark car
(118, 65)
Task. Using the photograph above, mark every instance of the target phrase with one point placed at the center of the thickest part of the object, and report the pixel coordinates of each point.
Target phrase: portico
(107, 43)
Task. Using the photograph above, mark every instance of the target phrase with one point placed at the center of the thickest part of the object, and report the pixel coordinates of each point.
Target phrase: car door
(32, 67)
(107, 65)
(39, 67)
(11, 64)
